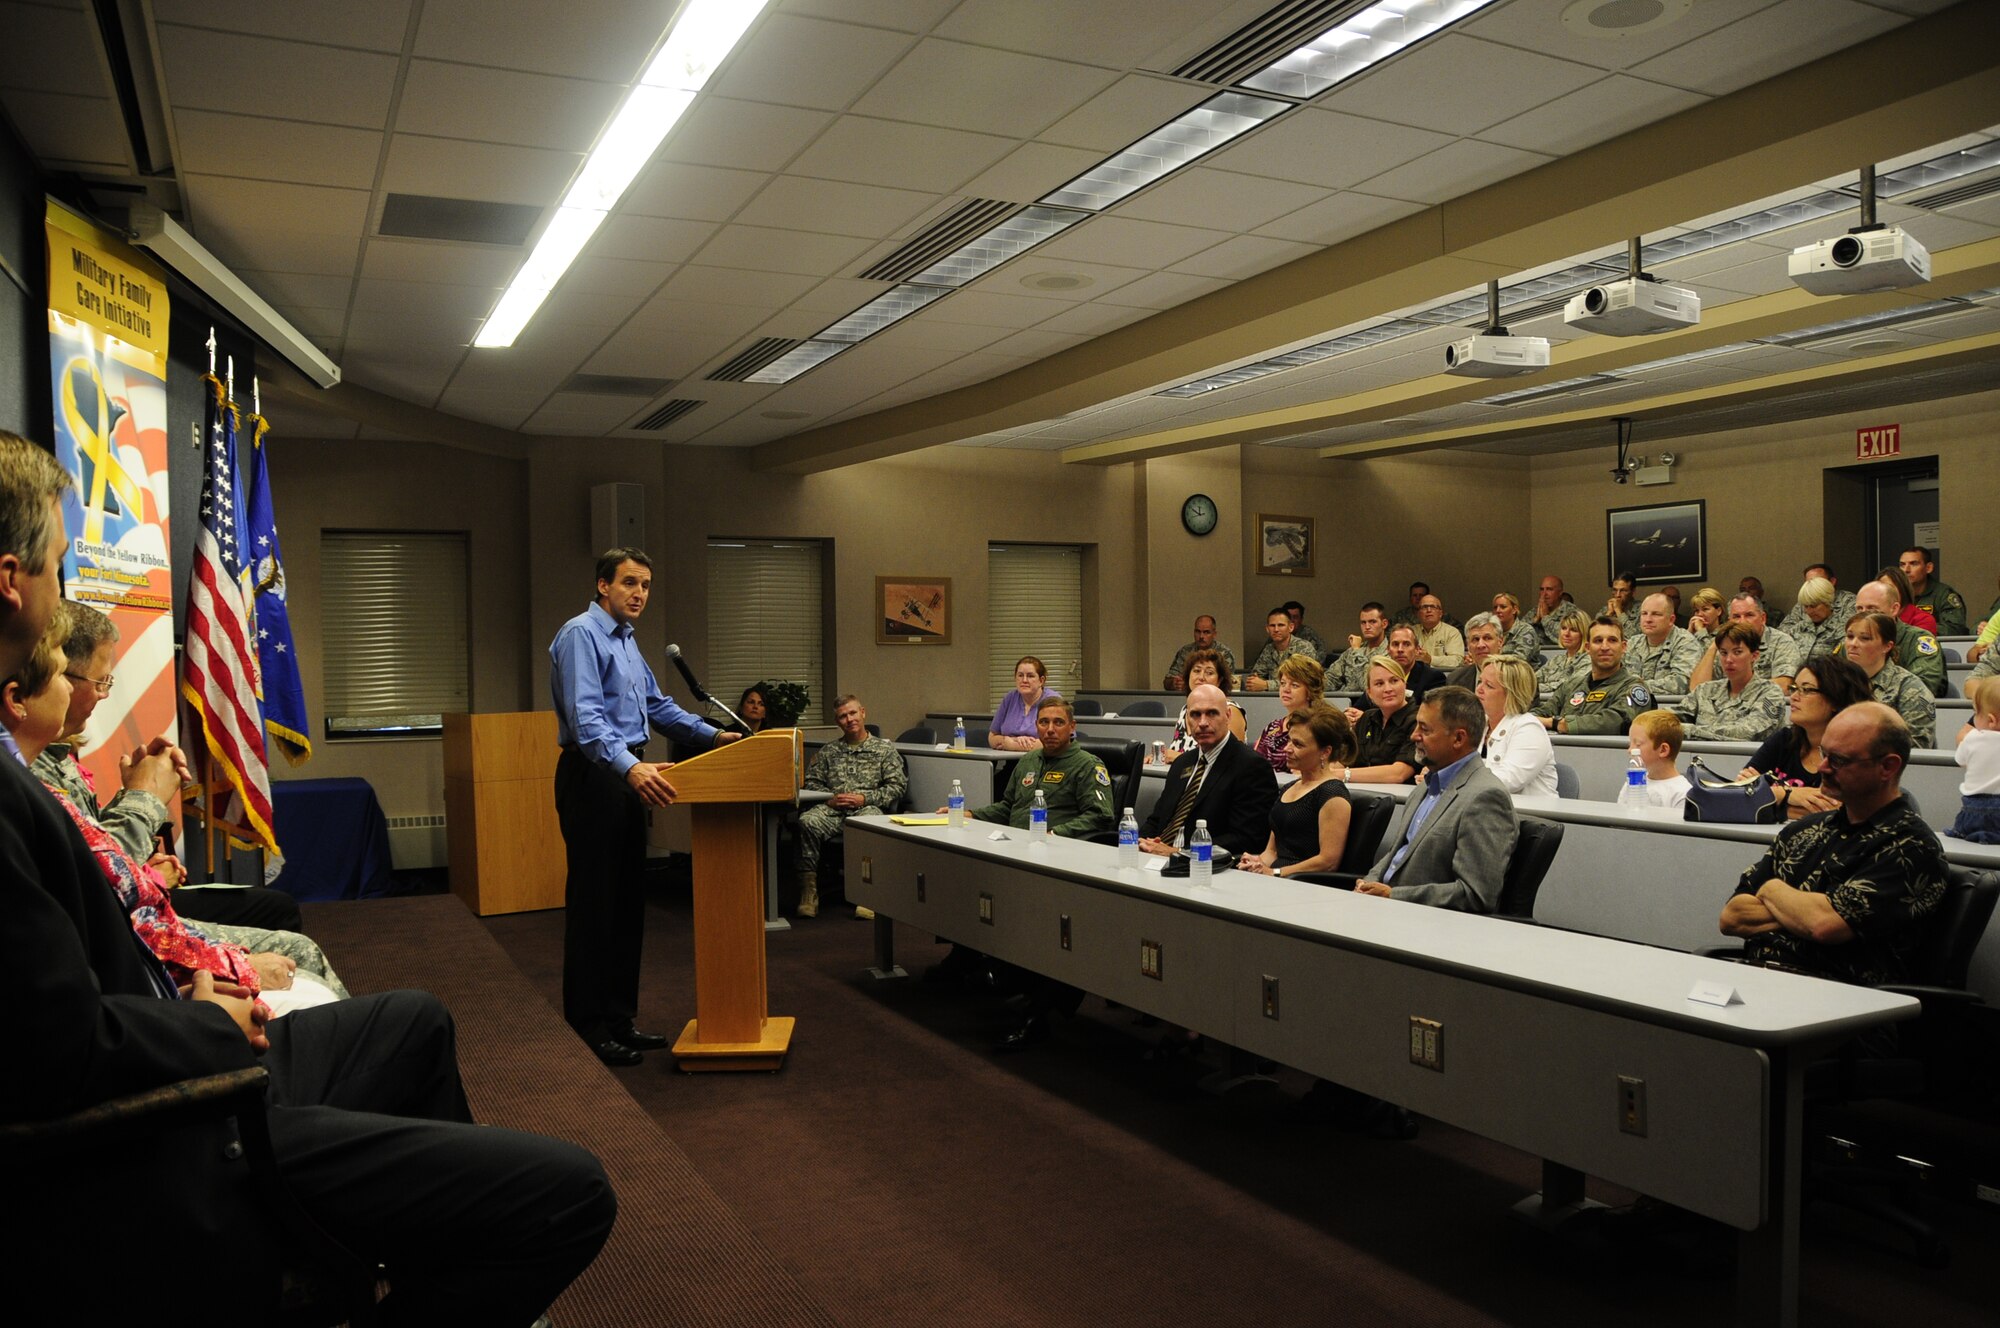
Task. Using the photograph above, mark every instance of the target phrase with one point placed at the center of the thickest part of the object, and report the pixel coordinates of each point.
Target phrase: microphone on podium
(694, 685)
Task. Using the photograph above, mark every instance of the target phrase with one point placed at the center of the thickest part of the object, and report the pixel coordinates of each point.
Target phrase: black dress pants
(604, 839)
(251, 906)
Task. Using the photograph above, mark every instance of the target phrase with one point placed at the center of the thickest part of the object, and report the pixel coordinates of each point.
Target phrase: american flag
(219, 674)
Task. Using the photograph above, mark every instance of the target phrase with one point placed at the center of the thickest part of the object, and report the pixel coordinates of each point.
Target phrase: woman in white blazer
(1517, 747)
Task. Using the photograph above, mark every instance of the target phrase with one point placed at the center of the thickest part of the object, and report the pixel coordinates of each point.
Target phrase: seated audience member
(1552, 606)
(1310, 818)
(1204, 640)
(1978, 754)
(254, 917)
(1814, 628)
(1603, 699)
(1348, 671)
(1439, 644)
(1921, 619)
(1403, 649)
(865, 775)
(1661, 654)
(1517, 637)
(1301, 683)
(1222, 781)
(1015, 718)
(1656, 744)
(1750, 585)
(1622, 604)
(754, 708)
(1790, 758)
(470, 1225)
(1385, 750)
(1778, 659)
(1075, 786)
(1673, 594)
(1555, 673)
(1263, 674)
(1705, 613)
(1451, 846)
(1930, 595)
(1739, 706)
(1989, 630)
(1914, 648)
(1408, 615)
(1846, 894)
(1482, 642)
(1870, 639)
(1517, 749)
(1840, 610)
(1206, 666)
(1300, 632)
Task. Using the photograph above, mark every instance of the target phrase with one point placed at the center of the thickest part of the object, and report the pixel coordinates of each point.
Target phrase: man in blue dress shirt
(605, 697)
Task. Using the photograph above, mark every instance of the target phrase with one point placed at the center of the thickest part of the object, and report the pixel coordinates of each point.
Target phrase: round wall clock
(1199, 514)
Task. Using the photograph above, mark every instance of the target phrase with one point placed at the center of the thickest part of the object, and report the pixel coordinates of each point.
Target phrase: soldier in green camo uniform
(1263, 674)
(1916, 649)
(1738, 706)
(866, 777)
(1933, 596)
(1868, 638)
(1073, 783)
(1665, 666)
(1603, 698)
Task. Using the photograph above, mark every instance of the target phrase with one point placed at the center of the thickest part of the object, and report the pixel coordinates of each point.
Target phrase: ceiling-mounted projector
(1634, 307)
(1865, 259)
(1494, 354)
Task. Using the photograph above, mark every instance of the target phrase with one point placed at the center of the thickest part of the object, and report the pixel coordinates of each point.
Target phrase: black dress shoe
(613, 1052)
(1033, 1029)
(639, 1041)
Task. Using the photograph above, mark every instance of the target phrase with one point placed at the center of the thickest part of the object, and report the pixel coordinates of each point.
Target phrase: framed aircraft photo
(1658, 545)
(912, 610)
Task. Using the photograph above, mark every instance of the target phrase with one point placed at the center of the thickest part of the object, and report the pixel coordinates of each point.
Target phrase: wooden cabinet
(500, 811)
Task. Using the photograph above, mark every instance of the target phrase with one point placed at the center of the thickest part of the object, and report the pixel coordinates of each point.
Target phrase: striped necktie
(1186, 804)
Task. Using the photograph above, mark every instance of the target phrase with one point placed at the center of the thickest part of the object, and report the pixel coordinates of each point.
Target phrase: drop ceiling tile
(439, 261)
(1339, 218)
(220, 71)
(749, 135)
(1538, 26)
(992, 309)
(958, 338)
(212, 144)
(1244, 256)
(1453, 171)
(1129, 242)
(1093, 320)
(1134, 106)
(50, 50)
(1595, 114)
(1938, 233)
(717, 285)
(573, 309)
(234, 206)
(1045, 278)
(501, 410)
(1326, 148)
(316, 324)
(1164, 290)
(503, 106)
(317, 254)
(607, 40)
(490, 172)
(698, 193)
(1031, 171)
(980, 89)
(1759, 276)
(59, 127)
(839, 295)
(1220, 199)
(799, 61)
(654, 239)
(1117, 34)
(1458, 85)
(1983, 211)
(1766, 43)
(311, 290)
(584, 414)
(396, 373)
(903, 15)
(901, 156)
(1035, 342)
(426, 334)
(769, 250)
(422, 302)
(792, 203)
(371, 25)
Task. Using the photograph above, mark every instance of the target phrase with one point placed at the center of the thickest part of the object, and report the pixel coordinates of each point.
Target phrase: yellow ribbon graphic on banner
(105, 470)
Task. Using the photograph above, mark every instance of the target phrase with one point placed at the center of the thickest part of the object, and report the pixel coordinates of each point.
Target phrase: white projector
(1860, 261)
(1633, 308)
(1490, 355)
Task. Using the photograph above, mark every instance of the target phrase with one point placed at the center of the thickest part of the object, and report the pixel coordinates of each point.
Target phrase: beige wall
(1188, 575)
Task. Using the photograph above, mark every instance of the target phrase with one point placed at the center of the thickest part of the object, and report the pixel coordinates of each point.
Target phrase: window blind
(395, 649)
(764, 618)
(1034, 606)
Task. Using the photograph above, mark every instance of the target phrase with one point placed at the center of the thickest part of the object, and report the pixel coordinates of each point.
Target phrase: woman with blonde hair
(1386, 746)
(1705, 612)
(1517, 749)
(1554, 673)
(1301, 683)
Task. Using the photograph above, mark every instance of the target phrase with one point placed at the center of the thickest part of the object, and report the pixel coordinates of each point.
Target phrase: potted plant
(785, 702)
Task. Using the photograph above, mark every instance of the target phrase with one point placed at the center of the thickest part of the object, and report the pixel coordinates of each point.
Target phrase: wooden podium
(732, 1028)
(505, 844)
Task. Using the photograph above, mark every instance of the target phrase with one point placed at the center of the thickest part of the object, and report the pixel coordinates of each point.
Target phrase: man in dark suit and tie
(1452, 846)
(1222, 781)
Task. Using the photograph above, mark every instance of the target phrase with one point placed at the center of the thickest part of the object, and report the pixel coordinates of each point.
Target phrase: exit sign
(1873, 444)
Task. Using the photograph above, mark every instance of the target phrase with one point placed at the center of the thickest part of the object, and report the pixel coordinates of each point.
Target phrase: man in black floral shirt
(1846, 894)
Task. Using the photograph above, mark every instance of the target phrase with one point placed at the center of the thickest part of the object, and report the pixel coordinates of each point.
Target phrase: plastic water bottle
(958, 734)
(955, 806)
(1635, 793)
(1202, 849)
(1038, 817)
(1128, 840)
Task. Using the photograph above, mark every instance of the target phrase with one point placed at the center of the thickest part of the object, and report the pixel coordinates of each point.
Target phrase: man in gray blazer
(1452, 846)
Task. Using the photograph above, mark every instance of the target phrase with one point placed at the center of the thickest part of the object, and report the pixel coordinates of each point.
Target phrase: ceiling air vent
(752, 358)
(466, 220)
(948, 234)
(1279, 32)
(1952, 197)
(666, 414)
(613, 385)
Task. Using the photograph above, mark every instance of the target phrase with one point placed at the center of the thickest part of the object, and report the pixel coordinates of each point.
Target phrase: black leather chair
(1145, 710)
(1088, 708)
(1534, 851)
(922, 733)
(1122, 761)
(1365, 828)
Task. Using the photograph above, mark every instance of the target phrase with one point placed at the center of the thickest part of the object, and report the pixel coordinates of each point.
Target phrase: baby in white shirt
(1979, 753)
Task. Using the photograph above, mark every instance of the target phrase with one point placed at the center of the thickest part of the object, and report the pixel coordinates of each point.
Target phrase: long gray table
(1544, 1040)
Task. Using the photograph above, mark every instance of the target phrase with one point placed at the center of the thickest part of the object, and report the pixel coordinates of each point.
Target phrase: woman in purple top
(1014, 718)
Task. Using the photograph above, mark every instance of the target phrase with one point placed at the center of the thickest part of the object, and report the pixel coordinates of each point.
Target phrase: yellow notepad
(921, 820)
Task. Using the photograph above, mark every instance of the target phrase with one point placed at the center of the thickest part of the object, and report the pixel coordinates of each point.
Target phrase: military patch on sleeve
(1577, 699)
(1641, 697)
(1104, 776)
(1027, 779)
(1927, 645)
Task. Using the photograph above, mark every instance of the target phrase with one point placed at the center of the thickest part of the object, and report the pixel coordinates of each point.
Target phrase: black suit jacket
(1235, 799)
(1422, 678)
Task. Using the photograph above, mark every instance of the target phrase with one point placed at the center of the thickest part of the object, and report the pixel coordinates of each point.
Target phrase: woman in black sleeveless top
(1310, 818)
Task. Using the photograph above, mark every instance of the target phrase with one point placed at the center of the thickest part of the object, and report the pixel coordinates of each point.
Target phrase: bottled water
(1635, 792)
(1128, 840)
(955, 806)
(1202, 849)
(958, 734)
(1038, 817)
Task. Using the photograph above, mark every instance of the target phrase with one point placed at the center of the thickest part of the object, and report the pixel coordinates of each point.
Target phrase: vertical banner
(108, 320)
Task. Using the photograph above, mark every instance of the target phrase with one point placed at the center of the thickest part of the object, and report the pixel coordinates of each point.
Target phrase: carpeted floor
(906, 1174)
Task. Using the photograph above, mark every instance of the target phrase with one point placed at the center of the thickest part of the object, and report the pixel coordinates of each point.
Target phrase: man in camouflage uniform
(866, 777)
(1934, 597)
(1604, 699)
(1204, 639)
(1777, 663)
(1815, 622)
(1300, 632)
(1263, 674)
(1659, 652)
(1073, 783)
(1552, 605)
(1916, 649)
(1348, 671)
(1796, 622)
(1713, 713)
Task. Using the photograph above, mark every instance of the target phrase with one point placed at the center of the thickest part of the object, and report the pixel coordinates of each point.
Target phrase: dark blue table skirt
(334, 837)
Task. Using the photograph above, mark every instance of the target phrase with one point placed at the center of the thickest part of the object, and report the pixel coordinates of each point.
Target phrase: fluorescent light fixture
(889, 307)
(702, 37)
(1366, 38)
(1713, 352)
(1949, 166)
(1187, 137)
(167, 240)
(1522, 395)
(1292, 359)
(1914, 313)
(1016, 235)
(807, 355)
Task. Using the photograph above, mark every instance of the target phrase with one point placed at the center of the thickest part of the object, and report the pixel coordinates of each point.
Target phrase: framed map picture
(912, 610)
(1284, 545)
